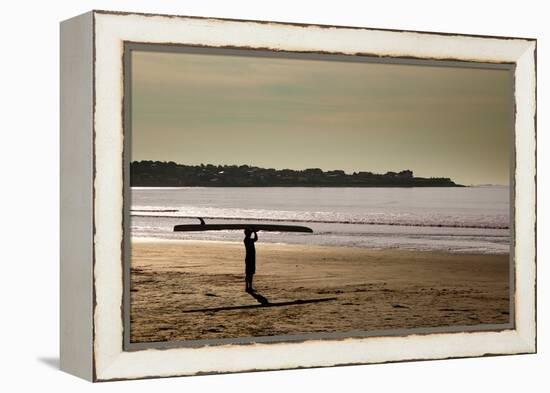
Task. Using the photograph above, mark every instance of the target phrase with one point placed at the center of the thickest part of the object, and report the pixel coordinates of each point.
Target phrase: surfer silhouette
(250, 258)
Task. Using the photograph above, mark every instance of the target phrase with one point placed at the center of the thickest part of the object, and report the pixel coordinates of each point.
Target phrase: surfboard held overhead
(229, 227)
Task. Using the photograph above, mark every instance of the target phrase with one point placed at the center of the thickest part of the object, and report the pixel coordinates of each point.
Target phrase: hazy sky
(294, 113)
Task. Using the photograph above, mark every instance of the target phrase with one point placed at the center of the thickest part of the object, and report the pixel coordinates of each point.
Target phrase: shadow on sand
(263, 303)
(258, 296)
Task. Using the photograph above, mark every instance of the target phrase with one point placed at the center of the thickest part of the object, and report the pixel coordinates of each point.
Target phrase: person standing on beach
(250, 258)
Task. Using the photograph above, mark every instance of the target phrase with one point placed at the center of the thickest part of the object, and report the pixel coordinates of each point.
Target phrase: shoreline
(152, 240)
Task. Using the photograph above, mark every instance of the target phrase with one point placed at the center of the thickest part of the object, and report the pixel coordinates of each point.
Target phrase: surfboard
(235, 227)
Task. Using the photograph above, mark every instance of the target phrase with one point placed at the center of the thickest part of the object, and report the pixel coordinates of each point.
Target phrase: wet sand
(195, 290)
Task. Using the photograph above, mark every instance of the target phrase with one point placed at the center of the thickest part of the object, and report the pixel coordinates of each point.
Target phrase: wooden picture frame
(94, 194)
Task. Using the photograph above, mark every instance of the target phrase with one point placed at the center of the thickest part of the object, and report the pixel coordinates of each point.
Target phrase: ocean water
(470, 219)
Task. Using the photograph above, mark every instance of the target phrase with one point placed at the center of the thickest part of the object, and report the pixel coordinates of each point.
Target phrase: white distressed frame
(111, 30)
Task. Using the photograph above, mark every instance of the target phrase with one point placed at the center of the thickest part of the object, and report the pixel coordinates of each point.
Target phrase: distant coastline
(171, 174)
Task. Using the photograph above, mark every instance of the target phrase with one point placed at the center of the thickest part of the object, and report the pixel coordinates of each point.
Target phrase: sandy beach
(189, 290)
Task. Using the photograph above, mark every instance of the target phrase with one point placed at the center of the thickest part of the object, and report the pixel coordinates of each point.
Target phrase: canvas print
(278, 196)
